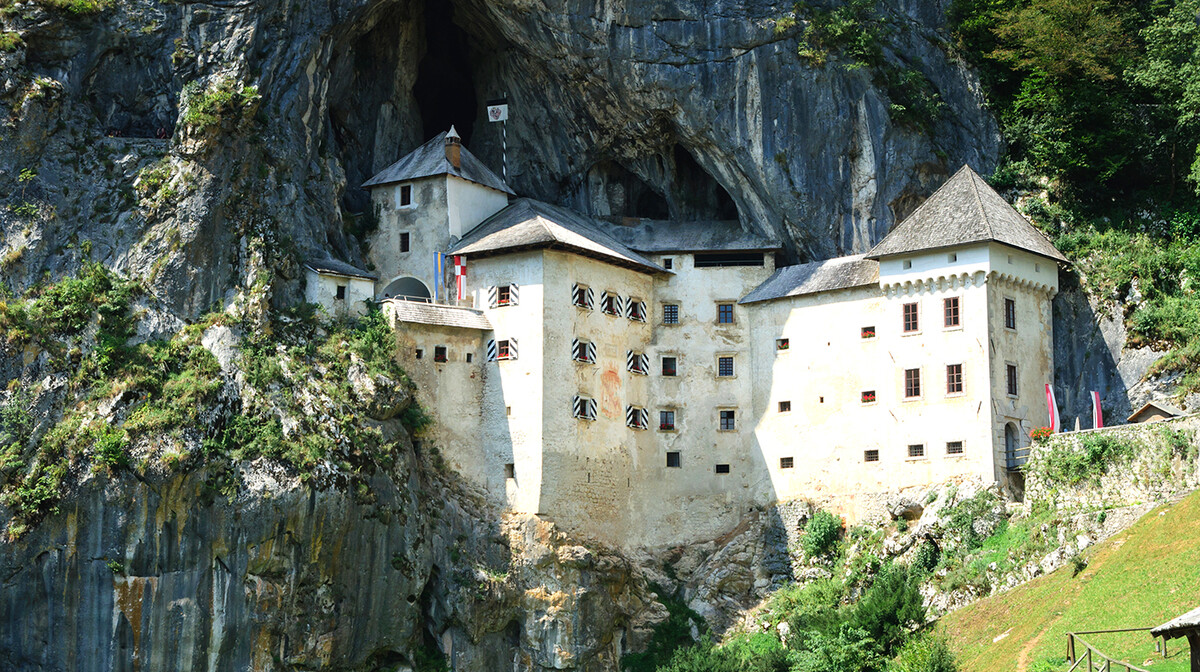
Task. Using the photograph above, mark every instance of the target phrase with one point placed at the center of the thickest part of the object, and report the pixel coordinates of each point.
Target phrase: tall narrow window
(637, 362)
(405, 195)
(1010, 379)
(728, 423)
(404, 242)
(954, 379)
(670, 313)
(503, 295)
(1010, 313)
(724, 313)
(670, 366)
(583, 351)
(584, 408)
(911, 321)
(666, 421)
(636, 417)
(340, 294)
(951, 309)
(610, 303)
(725, 367)
(912, 383)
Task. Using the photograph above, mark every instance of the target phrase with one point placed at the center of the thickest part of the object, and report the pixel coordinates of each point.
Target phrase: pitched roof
(332, 266)
(1160, 405)
(964, 210)
(430, 160)
(436, 314)
(1179, 626)
(527, 224)
(657, 236)
(815, 277)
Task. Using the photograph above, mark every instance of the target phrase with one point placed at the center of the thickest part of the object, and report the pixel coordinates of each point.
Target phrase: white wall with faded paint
(469, 203)
(321, 289)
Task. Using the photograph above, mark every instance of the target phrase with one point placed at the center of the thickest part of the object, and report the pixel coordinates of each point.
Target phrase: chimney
(454, 148)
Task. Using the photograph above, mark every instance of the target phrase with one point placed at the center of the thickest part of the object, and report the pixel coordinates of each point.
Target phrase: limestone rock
(381, 397)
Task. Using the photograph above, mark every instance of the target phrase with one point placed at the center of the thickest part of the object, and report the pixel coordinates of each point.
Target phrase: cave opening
(614, 191)
(445, 89)
(696, 193)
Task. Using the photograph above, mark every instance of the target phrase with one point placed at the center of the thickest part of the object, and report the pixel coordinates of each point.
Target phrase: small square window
(722, 468)
(670, 313)
(439, 353)
(954, 447)
(340, 294)
(912, 321)
(954, 379)
(670, 366)
(785, 406)
(912, 383)
(1010, 379)
(867, 397)
(581, 296)
(504, 350)
(916, 450)
(782, 344)
(510, 470)
(870, 456)
(952, 257)
(666, 420)
(637, 310)
(787, 462)
(404, 241)
(728, 424)
(668, 263)
(673, 461)
(725, 367)
(503, 295)
(1010, 259)
(1010, 314)
(868, 332)
(405, 195)
(420, 353)
(950, 308)
(724, 313)
(906, 264)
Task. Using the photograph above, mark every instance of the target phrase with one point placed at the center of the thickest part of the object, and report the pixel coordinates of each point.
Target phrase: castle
(647, 383)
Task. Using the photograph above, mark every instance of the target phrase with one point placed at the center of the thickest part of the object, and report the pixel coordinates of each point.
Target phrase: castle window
(782, 344)
(950, 308)
(582, 296)
(637, 418)
(906, 264)
(868, 332)
(871, 455)
(668, 263)
(340, 293)
(637, 362)
(404, 242)
(1010, 314)
(952, 257)
(728, 423)
(439, 353)
(867, 396)
(637, 311)
(954, 379)
(584, 408)
(610, 303)
(724, 313)
(787, 462)
(497, 350)
(912, 383)
(670, 313)
(470, 357)
(666, 421)
(405, 195)
(673, 461)
(954, 447)
(670, 366)
(420, 353)
(503, 295)
(1010, 379)
(510, 470)
(911, 320)
(725, 367)
(722, 469)
(583, 351)
(785, 406)
(723, 259)
(916, 450)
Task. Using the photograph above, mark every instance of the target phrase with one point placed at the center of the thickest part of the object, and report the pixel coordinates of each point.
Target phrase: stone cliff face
(262, 119)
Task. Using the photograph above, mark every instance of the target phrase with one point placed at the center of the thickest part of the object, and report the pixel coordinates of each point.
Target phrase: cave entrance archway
(445, 88)
(407, 288)
(695, 193)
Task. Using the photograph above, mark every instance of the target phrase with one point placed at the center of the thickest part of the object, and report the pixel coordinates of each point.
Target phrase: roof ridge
(987, 221)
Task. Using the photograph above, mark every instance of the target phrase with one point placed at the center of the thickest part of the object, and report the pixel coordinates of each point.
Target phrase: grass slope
(1139, 578)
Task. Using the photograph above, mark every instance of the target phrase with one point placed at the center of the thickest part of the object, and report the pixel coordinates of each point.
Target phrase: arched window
(408, 289)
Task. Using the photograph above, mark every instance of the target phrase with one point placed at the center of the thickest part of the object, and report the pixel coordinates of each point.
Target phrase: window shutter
(512, 294)
(584, 408)
(577, 406)
(491, 351)
(644, 360)
(492, 296)
(630, 416)
(591, 298)
(575, 349)
(512, 348)
(590, 351)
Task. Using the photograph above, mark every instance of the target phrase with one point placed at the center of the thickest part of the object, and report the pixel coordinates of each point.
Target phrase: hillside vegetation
(1140, 578)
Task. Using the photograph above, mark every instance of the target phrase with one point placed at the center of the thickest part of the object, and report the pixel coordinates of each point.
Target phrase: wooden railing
(1097, 661)
(1015, 460)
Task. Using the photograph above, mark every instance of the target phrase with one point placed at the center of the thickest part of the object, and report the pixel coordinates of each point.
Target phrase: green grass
(1142, 577)
(10, 41)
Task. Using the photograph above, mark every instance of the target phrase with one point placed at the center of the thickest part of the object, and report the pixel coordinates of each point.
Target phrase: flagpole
(504, 141)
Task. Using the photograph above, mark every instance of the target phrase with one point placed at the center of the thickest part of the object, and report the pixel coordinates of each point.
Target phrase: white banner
(497, 110)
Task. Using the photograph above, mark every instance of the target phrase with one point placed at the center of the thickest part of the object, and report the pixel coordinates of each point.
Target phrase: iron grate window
(950, 307)
(728, 423)
(870, 456)
(912, 320)
(916, 450)
(954, 447)
(787, 462)
(670, 366)
(954, 379)
(673, 461)
(785, 406)
(404, 240)
(670, 313)
(912, 383)
(725, 367)
(724, 313)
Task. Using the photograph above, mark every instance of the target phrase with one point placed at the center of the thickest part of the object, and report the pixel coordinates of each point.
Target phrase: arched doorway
(1014, 460)
(1010, 447)
(407, 288)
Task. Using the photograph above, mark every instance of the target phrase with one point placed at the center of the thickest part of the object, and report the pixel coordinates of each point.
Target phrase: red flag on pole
(1053, 406)
(460, 275)
(1097, 414)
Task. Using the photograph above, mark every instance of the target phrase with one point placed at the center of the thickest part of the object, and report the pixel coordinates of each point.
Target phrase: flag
(1097, 414)
(497, 109)
(439, 274)
(1053, 406)
(460, 275)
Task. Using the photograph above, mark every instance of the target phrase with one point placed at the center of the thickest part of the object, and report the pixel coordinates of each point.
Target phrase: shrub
(1096, 454)
(224, 100)
(110, 448)
(821, 533)
(10, 41)
(926, 653)
(927, 557)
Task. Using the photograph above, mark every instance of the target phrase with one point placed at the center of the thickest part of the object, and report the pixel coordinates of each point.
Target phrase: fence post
(1091, 668)
(1071, 647)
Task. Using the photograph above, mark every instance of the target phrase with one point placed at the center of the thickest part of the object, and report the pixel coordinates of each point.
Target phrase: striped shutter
(591, 298)
(637, 418)
(584, 408)
(513, 291)
(583, 351)
(644, 360)
(637, 362)
(591, 351)
(635, 310)
(512, 348)
(492, 296)
(491, 351)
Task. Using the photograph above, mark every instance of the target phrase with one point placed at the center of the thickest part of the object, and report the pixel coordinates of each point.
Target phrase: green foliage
(821, 533)
(927, 653)
(76, 7)
(111, 448)
(115, 566)
(429, 658)
(1097, 453)
(668, 637)
(10, 41)
(226, 100)
(927, 557)
(153, 182)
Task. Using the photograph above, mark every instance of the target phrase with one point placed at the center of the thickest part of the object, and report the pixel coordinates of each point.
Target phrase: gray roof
(430, 160)
(1178, 627)
(527, 224)
(658, 236)
(815, 277)
(1160, 405)
(437, 314)
(964, 210)
(331, 266)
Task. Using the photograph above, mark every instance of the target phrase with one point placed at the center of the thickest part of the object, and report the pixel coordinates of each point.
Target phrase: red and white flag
(1097, 414)
(1053, 406)
(460, 276)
